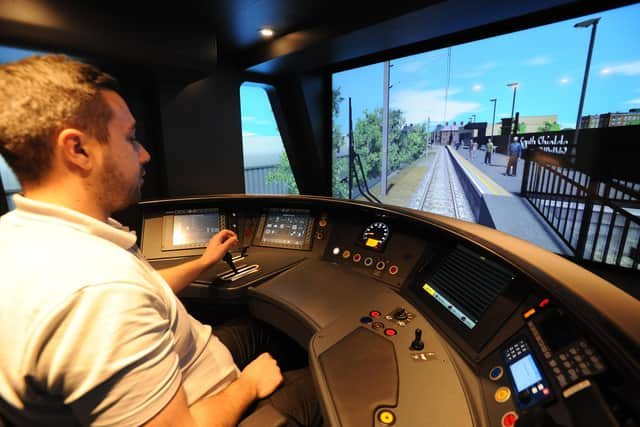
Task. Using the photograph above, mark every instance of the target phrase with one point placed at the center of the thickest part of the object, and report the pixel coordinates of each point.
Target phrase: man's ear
(76, 149)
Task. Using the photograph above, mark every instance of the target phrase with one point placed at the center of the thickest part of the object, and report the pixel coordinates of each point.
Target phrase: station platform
(498, 197)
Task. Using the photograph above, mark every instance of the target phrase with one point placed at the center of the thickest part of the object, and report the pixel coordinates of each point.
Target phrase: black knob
(417, 343)
(401, 314)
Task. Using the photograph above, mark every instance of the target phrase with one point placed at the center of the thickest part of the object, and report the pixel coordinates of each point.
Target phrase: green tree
(406, 142)
(522, 127)
(283, 174)
(549, 127)
(340, 168)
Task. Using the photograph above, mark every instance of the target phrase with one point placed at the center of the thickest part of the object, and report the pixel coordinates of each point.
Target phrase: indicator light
(529, 313)
(543, 302)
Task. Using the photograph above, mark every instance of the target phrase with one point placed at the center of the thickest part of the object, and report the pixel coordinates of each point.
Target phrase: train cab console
(413, 319)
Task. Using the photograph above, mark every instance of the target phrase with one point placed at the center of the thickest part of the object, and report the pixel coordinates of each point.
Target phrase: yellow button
(386, 417)
(502, 394)
(346, 253)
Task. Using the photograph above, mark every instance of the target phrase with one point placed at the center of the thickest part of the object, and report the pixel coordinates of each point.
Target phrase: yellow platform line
(491, 185)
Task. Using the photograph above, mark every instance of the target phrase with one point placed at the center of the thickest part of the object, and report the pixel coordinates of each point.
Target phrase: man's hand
(263, 374)
(181, 275)
(218, 245)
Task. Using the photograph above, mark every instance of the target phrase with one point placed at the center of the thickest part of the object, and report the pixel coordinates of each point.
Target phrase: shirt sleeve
(108, 352)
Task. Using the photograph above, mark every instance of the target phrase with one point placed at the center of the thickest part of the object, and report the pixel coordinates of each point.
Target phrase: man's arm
(180, 276)
(258, 380)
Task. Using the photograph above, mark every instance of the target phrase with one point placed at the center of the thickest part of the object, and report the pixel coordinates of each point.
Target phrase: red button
(509, 419)
(374, 313)
(393, 269)
(390, 332)
(357, 257)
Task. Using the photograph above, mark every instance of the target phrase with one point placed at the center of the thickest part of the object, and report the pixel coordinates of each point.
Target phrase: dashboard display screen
(525, 372)
(286, 228)
(194, 228)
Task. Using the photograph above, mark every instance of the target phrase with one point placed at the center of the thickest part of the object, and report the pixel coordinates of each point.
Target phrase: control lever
(417, 343)
(229, 260)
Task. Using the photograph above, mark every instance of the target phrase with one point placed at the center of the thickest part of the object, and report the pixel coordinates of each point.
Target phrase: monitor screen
(287, 228)
(194, 228)
(525, 372)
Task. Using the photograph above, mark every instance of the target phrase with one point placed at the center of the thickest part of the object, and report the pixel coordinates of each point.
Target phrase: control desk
(413, 319)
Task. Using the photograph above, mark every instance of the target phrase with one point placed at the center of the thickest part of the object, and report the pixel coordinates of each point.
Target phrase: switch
(401, 314)
(417, 343)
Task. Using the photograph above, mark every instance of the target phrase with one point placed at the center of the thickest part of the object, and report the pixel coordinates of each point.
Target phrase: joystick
(417, 343)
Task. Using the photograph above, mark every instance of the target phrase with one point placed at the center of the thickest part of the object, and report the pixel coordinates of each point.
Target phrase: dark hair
(42, 95)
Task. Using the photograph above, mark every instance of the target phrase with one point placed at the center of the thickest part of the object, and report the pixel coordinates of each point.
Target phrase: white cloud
(479, 70)
(565, 80)
(539, 60)
(244, 134)
(418, 105)
(411, 66)
(264, 122)
(247, 118)
(628, 69)
(260, 150)
(633, 101)
(476, 88)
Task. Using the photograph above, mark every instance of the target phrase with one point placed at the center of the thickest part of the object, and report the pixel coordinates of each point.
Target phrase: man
(89, 332)
(488, 153)
(513, 151)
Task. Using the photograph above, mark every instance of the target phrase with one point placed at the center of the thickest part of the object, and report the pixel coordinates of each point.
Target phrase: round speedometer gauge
(375, 236)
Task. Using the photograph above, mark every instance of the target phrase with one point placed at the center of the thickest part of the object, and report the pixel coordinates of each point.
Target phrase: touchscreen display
(285, 227)
(525, 372)
(195, 228)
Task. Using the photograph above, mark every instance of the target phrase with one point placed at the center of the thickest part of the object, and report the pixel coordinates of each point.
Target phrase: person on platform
(513, 151)
(488, 152)
(90, 333)
(473, 149)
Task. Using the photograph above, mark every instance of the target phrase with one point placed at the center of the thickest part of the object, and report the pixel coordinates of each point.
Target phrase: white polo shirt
(90, 333)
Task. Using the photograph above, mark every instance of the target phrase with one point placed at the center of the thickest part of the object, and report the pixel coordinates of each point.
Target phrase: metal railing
(598, 218)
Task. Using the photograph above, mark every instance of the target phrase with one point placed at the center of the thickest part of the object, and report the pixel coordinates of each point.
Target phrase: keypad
(577, 361)
(516, 350)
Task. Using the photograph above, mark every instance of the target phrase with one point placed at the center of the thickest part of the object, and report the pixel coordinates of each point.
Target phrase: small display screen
(195, 228)
(525, 372)
(286, 227)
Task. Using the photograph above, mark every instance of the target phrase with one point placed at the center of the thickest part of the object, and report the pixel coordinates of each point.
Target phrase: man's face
(124, 157)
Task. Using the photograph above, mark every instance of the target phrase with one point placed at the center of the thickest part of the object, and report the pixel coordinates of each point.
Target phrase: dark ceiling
(310, 35)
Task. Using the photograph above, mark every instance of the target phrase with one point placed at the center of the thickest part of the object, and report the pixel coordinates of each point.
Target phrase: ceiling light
(267, 32)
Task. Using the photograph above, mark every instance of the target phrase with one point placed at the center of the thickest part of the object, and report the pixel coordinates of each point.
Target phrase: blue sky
(548, 63)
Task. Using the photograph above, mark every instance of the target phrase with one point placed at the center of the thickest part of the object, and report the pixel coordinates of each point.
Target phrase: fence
(255, 181)
(597, 217)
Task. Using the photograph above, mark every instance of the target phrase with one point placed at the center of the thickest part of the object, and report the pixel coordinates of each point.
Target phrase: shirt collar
(111, 230)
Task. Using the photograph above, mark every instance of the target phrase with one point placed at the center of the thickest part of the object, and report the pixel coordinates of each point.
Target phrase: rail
(597, 217)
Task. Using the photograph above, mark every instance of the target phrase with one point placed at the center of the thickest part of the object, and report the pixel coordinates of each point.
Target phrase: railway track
(442, 192)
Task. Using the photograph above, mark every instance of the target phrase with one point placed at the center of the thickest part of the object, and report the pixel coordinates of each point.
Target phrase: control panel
(528, 382)
(360, 358)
